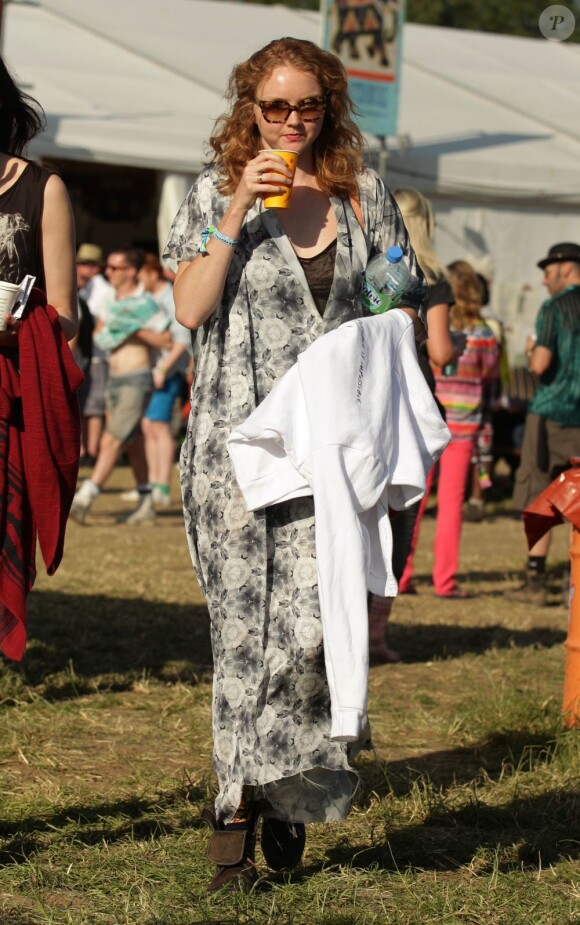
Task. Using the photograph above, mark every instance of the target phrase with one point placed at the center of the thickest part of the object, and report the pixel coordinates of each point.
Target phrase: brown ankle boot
(532, 592)
(233, 850)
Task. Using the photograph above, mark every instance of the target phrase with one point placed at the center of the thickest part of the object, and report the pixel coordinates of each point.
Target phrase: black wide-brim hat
(560, 253)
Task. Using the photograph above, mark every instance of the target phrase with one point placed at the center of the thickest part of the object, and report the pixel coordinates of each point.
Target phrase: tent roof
(140, 82)
(491, 114)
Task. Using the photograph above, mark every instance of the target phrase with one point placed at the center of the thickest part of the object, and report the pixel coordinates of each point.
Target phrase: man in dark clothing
(552, 433)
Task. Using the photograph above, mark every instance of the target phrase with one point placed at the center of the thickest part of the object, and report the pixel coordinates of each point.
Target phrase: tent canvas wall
(491, 122)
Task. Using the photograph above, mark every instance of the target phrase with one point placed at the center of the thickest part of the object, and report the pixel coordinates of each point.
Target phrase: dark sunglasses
(278, 110)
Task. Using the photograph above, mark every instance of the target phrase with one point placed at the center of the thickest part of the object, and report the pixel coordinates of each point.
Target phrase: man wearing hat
(92, 285)
(552, 433)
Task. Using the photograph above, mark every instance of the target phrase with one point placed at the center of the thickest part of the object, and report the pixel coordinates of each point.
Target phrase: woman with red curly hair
(263, 284)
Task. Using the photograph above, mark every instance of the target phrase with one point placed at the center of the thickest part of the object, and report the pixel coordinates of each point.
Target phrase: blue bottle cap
(394, 254)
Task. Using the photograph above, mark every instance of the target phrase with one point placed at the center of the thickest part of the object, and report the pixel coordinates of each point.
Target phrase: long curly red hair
(338, 150)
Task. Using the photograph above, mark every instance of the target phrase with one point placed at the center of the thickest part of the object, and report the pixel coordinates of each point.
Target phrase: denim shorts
(126, 398)
(160, 408)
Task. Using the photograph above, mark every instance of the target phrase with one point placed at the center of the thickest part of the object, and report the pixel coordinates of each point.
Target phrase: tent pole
(3, 4)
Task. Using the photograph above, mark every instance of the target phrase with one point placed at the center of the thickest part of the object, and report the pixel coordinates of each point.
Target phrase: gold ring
(260, 178)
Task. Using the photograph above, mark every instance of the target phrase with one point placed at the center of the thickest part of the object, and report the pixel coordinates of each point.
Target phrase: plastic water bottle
(384, 281)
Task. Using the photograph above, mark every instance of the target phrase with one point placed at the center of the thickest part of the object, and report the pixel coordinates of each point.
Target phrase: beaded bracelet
(212, 232)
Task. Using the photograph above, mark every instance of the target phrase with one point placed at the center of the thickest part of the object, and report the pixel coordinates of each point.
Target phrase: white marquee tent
(490, 122)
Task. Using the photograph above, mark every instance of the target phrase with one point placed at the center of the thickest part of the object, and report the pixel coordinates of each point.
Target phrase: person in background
(94, 289)
(482, 459)
(82, 349)
(168, 378)
(265, 284)
(479, 479)
(39, 426)
(36, 220)
(552, 431)
(125, 330)
(439, 348)
(92, 285)
(420, 223)
(465, 390)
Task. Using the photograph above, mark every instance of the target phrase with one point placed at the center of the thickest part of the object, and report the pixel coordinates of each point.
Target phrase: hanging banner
(367, 36)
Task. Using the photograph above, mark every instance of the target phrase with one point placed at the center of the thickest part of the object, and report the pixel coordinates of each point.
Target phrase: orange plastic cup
(281, 200)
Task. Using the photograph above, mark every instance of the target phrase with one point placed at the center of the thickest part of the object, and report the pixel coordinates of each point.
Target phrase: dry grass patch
(468, 813)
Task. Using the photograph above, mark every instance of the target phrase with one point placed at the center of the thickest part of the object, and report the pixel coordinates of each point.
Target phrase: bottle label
(378, 302)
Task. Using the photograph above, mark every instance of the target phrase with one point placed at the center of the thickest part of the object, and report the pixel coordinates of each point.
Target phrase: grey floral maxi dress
(271, 707)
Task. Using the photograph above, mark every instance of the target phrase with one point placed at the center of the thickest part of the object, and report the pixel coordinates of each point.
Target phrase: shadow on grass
(496, 756)
(527, 833)
(495, 510)
(81, 644)
(556, 576)
(435, 640)
(132, 819)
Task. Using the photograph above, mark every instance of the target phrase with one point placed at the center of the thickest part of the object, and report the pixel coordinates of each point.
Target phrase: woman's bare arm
(58, 255)
(440, 347)
(199, 283)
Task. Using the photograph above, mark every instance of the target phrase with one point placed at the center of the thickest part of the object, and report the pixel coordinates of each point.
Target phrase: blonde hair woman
(420, 223)
(439, 348)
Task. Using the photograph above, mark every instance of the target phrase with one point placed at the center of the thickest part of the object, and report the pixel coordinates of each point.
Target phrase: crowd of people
(136, 358)
(268, 286)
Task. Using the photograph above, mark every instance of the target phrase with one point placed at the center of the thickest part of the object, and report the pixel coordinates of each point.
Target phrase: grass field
(468, 813)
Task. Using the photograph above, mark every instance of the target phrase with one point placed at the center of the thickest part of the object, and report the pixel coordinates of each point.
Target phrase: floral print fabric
(271, 708)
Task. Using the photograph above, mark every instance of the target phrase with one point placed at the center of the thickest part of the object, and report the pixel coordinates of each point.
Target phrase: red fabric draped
(39, 458)
(560, 501)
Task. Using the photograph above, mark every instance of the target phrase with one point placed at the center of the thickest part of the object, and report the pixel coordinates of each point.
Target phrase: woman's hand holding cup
(281, 197)
(270, 176)
(8, 296)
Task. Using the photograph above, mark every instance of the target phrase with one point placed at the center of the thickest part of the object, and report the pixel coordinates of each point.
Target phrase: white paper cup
(8, 295)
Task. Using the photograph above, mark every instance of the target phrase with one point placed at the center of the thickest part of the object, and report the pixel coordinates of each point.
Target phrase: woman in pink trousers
(464, 389)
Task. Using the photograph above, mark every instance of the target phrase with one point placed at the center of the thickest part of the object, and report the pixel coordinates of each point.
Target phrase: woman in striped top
(465, 390)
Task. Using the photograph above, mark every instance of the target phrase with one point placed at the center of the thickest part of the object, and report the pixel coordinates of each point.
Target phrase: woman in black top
(36, 222)
(418, 217)
(439, 348)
